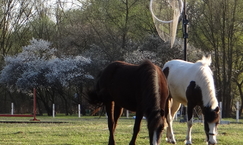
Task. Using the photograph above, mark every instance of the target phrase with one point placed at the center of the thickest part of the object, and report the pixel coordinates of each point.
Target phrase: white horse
(192, 84)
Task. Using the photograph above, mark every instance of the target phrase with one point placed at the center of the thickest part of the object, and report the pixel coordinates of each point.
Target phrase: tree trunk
(239, 85)
(45, 103)
(65, 104)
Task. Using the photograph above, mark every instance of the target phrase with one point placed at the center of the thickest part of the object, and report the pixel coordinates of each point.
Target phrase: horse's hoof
(171, 142)
(188, 142)
(211, 143)
(132, 143)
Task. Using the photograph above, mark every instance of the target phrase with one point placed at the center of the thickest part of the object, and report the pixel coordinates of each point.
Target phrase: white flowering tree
(26, 65)
(37, 66)
(137, 56)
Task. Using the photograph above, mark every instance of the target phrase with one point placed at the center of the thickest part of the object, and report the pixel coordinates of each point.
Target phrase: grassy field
(94, 131)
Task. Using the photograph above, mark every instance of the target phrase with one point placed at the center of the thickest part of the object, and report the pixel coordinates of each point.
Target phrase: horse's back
(184, 72)
(111, 82)
(126, 83)
(179, 75)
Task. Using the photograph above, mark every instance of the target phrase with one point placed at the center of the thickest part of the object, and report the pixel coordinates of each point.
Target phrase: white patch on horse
(155, 138)
(212, 133)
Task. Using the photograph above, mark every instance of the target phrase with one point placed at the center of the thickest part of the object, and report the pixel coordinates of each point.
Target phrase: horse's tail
(93, 98)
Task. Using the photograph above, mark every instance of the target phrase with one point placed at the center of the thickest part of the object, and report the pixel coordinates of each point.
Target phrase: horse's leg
(136, 127)
(188, 140)
(117, 113)
(173, 108)
(168, 119)
(111, 122)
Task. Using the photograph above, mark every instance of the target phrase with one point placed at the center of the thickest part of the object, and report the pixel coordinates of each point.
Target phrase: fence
(79, 111)
(24, 115)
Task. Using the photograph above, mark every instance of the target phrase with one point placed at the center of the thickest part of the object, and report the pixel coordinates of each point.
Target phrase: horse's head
(211, 120)
(156, 123)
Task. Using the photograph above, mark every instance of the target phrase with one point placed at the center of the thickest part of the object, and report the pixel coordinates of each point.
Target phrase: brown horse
(139, 88)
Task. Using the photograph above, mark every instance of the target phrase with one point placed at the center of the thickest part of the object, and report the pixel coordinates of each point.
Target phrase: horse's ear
(216, 109)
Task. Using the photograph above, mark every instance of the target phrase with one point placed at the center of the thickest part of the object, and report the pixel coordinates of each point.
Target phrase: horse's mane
(205, 60)
(206, 81)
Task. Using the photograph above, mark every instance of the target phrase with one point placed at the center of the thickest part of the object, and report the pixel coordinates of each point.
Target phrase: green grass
(94, 131)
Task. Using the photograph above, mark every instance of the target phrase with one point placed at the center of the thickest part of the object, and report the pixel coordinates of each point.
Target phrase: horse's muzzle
(209, 143)
(211, 139)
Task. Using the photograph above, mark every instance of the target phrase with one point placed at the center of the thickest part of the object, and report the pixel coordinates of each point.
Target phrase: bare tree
(14, 15)
(215, 26)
